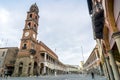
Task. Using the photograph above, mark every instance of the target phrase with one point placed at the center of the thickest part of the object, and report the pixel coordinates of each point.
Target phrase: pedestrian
(37, 74)
(92, 74)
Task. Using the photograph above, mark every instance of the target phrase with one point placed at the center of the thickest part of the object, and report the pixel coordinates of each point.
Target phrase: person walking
(92, 74)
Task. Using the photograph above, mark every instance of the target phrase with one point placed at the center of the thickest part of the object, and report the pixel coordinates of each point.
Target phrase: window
(29, 24)
(34, 27)
(36, 17)
(30, 15)
(32, 45)
(3, 54)
(21, 64)
(24, 46)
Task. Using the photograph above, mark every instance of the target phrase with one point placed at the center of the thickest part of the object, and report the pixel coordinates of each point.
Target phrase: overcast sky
(64, 25)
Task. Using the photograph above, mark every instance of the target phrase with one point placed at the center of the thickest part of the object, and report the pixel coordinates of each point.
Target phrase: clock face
(33, 35)
(27, 33)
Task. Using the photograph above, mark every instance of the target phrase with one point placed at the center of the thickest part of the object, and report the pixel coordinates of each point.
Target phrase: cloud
(4, 16)
(63, 25)
(10, 27)
(66, 28)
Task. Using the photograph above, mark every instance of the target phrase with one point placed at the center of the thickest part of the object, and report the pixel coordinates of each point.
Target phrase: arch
(28, 25)
(31, 15)
(36, 18)
(41, 68)
(35, 72)
(110, 15)
(34, 27)
(21, 63)
(24, 46)
(20, 68)
(30, 64)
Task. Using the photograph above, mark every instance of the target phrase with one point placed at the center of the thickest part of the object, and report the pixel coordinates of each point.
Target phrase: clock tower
(29, 37)
(24, 63)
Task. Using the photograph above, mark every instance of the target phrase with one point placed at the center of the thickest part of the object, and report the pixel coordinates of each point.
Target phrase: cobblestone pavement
(59, 77)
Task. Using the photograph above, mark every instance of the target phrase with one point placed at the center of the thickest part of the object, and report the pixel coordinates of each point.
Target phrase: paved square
(59, 77)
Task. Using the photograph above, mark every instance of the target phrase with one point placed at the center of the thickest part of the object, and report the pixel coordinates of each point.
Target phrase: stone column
(45, 59)
(38, 69)
(25, 69)
(44, 70)
(116, 37)
(32, 65)
(16, 69)
(102, 52)
(109, 69)
(114, 66)
(31, 69)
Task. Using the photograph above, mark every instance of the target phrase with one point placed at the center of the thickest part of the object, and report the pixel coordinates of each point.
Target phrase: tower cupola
(34, 8)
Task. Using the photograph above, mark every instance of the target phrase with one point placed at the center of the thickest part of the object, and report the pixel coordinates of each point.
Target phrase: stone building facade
(109, 45)
(7, 60)
(94, 63)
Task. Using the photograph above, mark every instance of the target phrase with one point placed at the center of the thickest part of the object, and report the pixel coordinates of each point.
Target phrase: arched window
(24, 46)
(30, 15)
(29, 64)
(29, 24)
(36, 17)
(34, 27)
(32, 45)
(21, 64)
(3, 54)
(20, 68)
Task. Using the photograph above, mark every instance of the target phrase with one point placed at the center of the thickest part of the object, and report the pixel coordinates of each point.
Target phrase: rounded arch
(28, 25)
(31, 15)
(34, 27)
(20, 68)
(36, 18)
(20, 63)
(35, 69)
(42, 68)
(30, 64)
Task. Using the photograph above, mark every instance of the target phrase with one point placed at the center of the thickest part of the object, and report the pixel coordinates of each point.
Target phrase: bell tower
(25, 58)
(29, 37)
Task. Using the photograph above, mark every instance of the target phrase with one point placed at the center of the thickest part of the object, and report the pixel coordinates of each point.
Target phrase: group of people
(3, 73)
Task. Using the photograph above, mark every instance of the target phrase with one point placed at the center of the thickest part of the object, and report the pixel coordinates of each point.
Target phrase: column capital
(116, 35)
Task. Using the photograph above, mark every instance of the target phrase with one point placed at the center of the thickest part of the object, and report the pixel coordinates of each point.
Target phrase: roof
(42, 44)
(8, 47)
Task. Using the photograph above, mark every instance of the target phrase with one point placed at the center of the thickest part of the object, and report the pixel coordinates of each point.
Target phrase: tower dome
(34, 8)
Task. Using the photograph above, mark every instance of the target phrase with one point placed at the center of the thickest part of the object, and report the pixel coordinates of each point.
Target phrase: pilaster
(114, 66)
(116, 37)
(109, 68)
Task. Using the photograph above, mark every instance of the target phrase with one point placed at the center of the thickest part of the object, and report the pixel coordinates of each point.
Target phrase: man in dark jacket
(92, 74)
